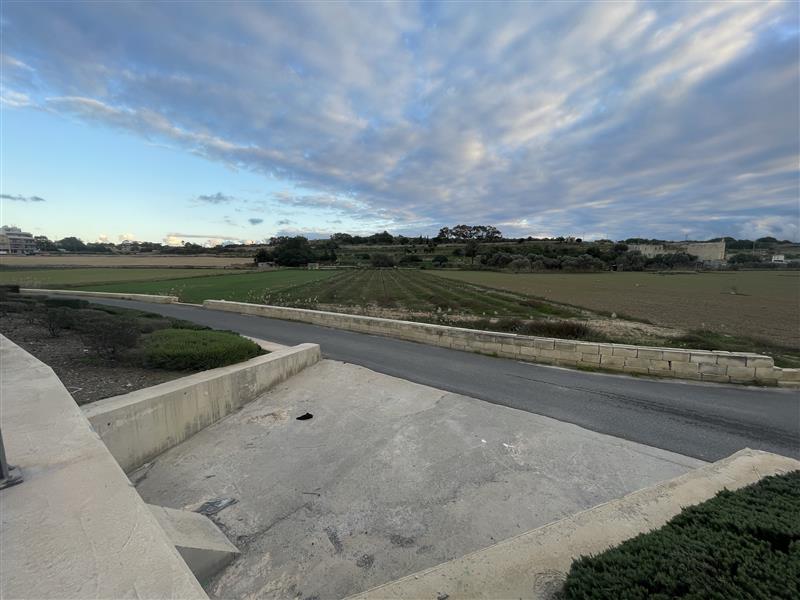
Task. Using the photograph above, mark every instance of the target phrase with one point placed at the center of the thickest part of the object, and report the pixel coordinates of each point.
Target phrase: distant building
(15, 241)
(707, 252)
(313, 266)
(778, 258)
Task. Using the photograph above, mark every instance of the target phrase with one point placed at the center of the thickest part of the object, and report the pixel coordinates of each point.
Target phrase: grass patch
(257, 287)
(742, 544)
(67, 278)
(192, 350)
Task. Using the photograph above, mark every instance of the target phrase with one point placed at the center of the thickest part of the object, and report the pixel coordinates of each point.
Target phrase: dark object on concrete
(212, 507)
(365, 561)
(305, 417)
(9, 474)
(442, 596)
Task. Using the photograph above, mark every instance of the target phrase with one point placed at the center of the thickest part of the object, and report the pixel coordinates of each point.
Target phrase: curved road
(701, 420)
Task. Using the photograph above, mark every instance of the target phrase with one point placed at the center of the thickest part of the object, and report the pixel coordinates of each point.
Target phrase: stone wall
(89, 295)
(138, 426)
(700, 365)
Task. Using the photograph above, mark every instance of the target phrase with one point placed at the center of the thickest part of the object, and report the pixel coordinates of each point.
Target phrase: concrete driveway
(387, 478)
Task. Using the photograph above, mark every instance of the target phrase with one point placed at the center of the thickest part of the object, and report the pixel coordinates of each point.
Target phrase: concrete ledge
(139, 297)
(75, 528)
(534, 564)
(139, 426)
(205, 548)
(709, 365)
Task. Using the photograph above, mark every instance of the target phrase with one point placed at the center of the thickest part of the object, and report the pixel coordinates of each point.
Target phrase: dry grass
(132, 260)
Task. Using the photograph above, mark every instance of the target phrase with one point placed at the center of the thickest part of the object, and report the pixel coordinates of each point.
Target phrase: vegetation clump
(188, 350)
(742, 544)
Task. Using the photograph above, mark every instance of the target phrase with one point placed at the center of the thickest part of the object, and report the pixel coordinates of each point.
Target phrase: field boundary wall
(119, 296)
(701, 365)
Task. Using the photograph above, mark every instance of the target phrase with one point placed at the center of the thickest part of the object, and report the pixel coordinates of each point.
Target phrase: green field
(243, 286)
(758, 304)
(737, 311)
(54, 278)
(391, 289)
(413, 291)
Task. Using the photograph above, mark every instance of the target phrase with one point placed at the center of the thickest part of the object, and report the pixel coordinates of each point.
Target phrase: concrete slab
(202, 545)
(534, 564)
(388, 478)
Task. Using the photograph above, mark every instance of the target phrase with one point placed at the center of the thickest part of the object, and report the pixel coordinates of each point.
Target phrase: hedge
(193, 350)
(742, 544)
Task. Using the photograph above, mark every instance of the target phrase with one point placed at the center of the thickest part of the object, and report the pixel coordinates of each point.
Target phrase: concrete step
(202, 545)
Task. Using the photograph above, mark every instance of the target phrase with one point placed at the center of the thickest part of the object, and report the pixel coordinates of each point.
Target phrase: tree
(71, 244)
(293, 251)
(42, 243)
(440, 260)
(263, 255)
(470, 232)
(471, 250)
(381, 260)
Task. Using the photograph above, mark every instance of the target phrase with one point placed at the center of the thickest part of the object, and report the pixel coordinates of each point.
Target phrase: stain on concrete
(402, 541)
(276, 416)
(333, 536)
(365, 561)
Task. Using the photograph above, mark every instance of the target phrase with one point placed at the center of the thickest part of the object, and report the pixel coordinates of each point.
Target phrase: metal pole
(9, 474)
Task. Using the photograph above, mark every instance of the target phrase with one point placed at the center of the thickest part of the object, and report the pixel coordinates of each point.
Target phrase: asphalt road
(701, 420)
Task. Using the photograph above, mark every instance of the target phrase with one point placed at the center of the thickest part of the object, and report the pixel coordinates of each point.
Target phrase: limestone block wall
(138, 426)
(89, 295)
(701, 365)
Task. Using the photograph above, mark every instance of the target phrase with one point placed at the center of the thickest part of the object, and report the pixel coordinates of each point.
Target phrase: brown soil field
(129, 260)
(758, 304)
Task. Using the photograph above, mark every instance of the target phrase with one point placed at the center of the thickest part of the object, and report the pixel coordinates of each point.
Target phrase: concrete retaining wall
(139, 297)
(139, 426)
(701, 365)
(74, 528)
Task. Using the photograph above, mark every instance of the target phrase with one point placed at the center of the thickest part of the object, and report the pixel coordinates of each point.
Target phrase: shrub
(66, 302)
(55, 319)
(742, 544)
(13, 306)
(381, 260)
(440, 260)
(108, 336)
(410, 259)
(193, 350)
(8, 290)
(572, 330)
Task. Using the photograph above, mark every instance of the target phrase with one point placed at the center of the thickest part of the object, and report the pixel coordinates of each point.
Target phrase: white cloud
(621, 118)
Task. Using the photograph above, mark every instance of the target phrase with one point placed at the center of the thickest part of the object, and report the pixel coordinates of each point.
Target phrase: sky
(212, 122)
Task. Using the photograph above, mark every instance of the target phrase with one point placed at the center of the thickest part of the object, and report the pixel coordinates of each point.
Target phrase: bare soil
(86, 377)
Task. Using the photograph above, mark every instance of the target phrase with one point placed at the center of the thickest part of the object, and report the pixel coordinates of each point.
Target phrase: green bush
(108, 336)
(66, 302)
(193, 350)
(742, 544)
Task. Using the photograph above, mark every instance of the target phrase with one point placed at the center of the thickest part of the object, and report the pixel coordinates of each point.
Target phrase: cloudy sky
(195, 121)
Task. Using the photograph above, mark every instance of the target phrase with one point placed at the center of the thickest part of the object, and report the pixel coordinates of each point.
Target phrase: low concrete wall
(139, 297)
(534, 564)
(139, 426)
(75, 528)
(701, 365)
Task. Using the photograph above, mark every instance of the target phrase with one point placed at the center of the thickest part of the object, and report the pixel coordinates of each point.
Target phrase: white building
(15, 241)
